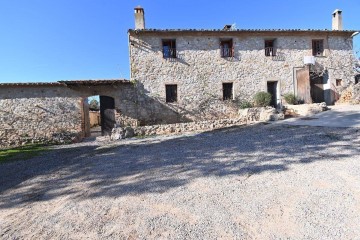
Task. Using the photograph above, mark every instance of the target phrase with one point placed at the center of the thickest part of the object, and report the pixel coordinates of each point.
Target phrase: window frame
(316, 42)
(229, 50)
(171, 97)
(270, 51)
(171, 43)
(225, 97)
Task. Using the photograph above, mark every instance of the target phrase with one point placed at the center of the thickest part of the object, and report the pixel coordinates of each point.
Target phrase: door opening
(107, 114)
(317, 89)
(272, 89)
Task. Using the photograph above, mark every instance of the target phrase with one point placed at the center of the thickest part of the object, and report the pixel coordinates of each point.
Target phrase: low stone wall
(260, 114)
(305, 109)
(40, 120)
(245, 116)
(187, 127)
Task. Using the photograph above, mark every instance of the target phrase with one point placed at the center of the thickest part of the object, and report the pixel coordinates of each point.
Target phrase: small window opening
(226, 48)
(171, 93)
(338, 82)
(357, 79)
(318, 47)
(227, 91)
(270, 48)
(169, 48)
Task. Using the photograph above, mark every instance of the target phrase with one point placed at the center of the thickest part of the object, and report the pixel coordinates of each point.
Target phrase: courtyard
(265, 181)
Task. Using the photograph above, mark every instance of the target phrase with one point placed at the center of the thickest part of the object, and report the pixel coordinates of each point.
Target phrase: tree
(94, 105)
(357, 61)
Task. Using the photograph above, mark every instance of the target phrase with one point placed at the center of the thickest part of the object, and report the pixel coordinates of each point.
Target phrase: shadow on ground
(156, 165)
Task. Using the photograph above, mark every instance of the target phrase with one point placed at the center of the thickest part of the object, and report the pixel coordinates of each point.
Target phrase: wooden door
(303, 85)
(317, 89)
(107, 114)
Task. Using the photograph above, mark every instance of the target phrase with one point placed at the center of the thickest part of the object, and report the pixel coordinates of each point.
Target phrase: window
(171, 93)
(270, 48)
(318, 47)
(227, 91)
(338, 82)
(226, 48)
(169, 48)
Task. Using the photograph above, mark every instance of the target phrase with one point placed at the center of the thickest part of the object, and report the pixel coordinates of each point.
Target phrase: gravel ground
(257, 182)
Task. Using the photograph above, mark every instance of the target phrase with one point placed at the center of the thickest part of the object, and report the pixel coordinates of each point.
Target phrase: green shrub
(262, 99)
(290, 98)
(245, 104)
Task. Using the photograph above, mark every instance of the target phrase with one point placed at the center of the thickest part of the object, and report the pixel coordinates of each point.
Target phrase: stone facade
(350, 95)
(199, 71)
(56, 113)
(31, 115)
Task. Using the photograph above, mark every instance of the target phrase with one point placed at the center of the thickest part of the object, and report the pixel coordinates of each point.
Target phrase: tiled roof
(72, 83)
(32, 84)
(242, 30)
(95, 82)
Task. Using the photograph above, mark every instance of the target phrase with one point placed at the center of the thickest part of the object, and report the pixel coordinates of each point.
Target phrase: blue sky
(47, 40)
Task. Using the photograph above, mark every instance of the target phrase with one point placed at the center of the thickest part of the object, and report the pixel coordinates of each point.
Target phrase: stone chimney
(139, 18)
(337, 20)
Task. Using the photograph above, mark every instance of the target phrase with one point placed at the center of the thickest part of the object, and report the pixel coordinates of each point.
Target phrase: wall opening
(94, 115)
(228, 91)
(317, 89)
(272, 88)
(171, 93)
(357, 79)
(107, 114)
(99, 116)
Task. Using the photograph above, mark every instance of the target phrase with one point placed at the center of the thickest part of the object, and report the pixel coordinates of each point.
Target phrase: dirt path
(260, 182)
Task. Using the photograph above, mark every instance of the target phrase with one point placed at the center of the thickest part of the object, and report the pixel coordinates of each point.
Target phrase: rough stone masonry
(199, 71)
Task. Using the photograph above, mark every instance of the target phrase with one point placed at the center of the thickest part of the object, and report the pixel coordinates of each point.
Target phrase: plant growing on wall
(245, 104)
(262, 99)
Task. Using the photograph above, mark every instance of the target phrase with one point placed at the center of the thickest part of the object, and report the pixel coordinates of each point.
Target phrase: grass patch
(21, 153)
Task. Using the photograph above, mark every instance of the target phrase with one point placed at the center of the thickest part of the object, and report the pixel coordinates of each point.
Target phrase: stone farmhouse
(197, 71)
(182, 75)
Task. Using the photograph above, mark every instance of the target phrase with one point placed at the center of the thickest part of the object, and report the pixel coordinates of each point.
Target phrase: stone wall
(305, 109)
(199, 71)
(350, 95)
(55, 113)
(176, 128)
(245, 116)
(45, 119)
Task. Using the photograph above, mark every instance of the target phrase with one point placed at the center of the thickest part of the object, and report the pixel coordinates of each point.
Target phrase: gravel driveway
(257, 182)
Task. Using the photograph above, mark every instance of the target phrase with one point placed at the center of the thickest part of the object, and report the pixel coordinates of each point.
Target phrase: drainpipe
(129, 45)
